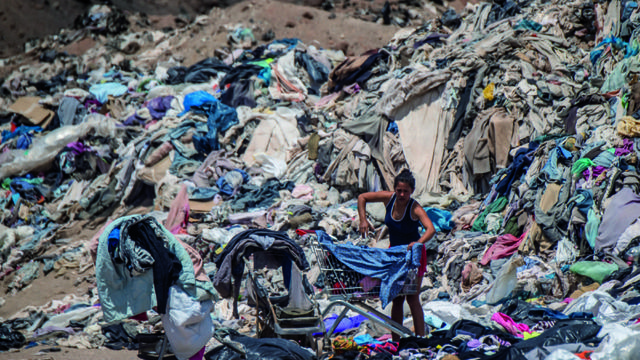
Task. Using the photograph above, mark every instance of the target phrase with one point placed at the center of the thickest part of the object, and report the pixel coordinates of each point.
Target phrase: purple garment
(475, 343)
(134, 120)
(93, 105)
(626, 148)
(594, 172)
(158, 106)
(623, 210)
(50, 329)
(504, 246)
(78, 147)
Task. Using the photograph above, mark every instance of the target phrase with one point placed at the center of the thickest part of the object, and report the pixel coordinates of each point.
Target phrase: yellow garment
(528, 336)
(628, 126)
(488, 91)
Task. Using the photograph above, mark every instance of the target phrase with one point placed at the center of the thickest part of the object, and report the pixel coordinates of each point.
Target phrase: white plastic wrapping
(187, 323)
(504, 283)
(561, 354)
(604, 307)
(44, 149)
(566, 253)
(444, 310)
(619, 343)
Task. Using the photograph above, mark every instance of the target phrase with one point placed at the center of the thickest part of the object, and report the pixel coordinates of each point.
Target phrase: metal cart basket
(349, 289)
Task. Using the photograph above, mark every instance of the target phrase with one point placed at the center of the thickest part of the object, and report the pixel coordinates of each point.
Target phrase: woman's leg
(416, 310)
(397, 314)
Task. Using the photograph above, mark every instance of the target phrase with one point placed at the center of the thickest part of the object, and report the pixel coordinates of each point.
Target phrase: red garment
(585, 354)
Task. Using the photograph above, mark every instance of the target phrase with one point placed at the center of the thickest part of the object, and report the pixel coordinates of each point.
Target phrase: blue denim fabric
(391, 265)
(220, 118)
(558, 154)
(224, 185)
(518, 167)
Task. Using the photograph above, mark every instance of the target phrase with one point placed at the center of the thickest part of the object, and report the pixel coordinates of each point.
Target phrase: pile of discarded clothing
(519, 120)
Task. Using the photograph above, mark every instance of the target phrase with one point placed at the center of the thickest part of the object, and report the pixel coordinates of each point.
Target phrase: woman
(404, 216)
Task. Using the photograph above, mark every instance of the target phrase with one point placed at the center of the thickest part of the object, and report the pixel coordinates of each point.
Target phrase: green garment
(123, 295)
(496, 206)
(595, 270)
(581, 165)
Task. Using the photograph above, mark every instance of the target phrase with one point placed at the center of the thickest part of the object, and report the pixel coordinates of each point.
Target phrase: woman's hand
(411, 245)
(365, 227)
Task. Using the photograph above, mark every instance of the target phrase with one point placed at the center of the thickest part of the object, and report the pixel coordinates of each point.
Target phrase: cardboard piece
(30, 108)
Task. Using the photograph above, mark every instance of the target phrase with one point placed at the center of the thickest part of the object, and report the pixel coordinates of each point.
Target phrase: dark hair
(406, 177)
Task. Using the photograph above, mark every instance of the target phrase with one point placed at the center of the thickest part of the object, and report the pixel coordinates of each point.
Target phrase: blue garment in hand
(391, 265)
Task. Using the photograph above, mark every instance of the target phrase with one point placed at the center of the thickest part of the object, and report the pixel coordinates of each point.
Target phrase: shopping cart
(350, 290)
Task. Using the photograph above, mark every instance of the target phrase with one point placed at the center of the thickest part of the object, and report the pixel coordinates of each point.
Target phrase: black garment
(166, 267)
(318, 73)
(260, 349)
(572, 117)
(356, 76)
(239, 73)
(520, 164)
(199, 72)
(239, 93)
(299, 257)
(9, 338)
(443, 337)
(458, 122)
(228, 278)
(120, 337)
(564, 332)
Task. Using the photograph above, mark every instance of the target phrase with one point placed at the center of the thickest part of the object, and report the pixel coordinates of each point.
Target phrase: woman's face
(403, 191)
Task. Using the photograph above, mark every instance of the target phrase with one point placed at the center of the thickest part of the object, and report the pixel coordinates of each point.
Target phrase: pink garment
(328, 99)
(179, 211)
(504, 246)
(304, 192)
(369, 283)
(511, 326)
(196, 259)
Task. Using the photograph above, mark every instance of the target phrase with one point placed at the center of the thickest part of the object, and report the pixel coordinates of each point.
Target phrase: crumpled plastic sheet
(604, 308)
(619, 343)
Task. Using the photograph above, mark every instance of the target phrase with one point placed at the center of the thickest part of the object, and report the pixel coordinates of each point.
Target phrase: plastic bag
(187, 323)
(566, 253)
(505, 282)
(619, 343)
(271, 166)
(44, 149)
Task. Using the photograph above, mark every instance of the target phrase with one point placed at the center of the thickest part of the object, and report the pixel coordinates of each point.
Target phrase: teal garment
(605, 158)
(591, 228)
(441, 219)
(526, 24)
(496, 206)
(123, 296)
